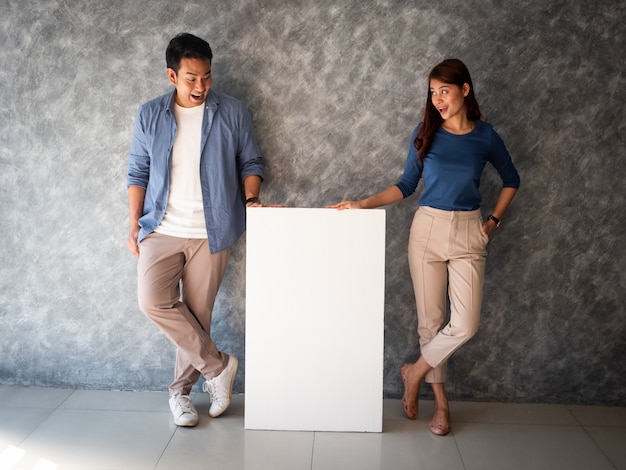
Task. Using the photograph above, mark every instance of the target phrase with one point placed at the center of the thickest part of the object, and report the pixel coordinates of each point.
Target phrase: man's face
(192, 81)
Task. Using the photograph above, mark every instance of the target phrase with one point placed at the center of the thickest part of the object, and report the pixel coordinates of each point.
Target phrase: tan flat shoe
(440, 424)
(410, 407)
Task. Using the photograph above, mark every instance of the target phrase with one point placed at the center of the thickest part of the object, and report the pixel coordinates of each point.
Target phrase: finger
(131, 243)
(134, 250)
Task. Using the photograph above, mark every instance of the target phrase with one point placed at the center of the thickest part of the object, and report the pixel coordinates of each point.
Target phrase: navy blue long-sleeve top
(453, 166)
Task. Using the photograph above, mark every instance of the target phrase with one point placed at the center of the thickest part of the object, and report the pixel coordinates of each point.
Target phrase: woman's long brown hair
(454, 72)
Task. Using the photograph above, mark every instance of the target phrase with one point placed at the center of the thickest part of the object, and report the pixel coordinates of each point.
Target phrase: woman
(449, 148)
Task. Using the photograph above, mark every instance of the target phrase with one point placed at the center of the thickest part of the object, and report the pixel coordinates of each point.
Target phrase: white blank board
(315, 284)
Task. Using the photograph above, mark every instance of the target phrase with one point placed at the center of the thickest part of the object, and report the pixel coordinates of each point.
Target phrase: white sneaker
(221, 388)
(184, 412)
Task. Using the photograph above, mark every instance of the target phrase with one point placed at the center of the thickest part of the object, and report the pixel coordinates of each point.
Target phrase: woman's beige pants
(446, 253)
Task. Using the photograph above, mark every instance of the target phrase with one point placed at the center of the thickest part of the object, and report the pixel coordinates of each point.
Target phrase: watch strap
(495, 219)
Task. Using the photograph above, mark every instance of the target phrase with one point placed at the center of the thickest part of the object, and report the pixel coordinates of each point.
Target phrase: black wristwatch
(495, 219)
(252, 199)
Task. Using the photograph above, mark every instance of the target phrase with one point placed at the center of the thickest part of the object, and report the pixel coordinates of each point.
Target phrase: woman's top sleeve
(412, 170)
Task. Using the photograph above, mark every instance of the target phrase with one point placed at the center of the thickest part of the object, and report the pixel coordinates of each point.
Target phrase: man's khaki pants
(185, 319)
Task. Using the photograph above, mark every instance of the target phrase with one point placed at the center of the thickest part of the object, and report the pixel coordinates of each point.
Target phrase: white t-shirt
(184, 215)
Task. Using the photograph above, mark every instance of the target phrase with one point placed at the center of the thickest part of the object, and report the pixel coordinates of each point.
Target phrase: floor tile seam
(599, 447)
(518, 423)
(64, 400)
(50, 413)
(568, 406)
(312, 452)
(108, 410)
(167, 444)
(400, 418)
(39, 407)
(604, 426)
(522, 423)
(458, 449)
(28, 407)
(587, 425)
(573, 415)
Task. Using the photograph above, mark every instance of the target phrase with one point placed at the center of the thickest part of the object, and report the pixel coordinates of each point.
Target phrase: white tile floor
(79, 429)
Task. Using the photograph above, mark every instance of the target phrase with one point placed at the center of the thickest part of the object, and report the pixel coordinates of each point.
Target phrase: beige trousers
(165, 264)
(447, 254)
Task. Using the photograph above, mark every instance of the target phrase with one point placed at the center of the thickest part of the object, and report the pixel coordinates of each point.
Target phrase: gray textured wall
(335, 88)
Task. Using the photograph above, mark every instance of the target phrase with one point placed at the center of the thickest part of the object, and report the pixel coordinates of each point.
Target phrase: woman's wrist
(494, 219)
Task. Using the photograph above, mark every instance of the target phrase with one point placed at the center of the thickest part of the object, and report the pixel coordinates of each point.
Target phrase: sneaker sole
(187, 424)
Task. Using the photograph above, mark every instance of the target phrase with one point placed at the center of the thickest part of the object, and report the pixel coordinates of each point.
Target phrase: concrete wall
(334, 88)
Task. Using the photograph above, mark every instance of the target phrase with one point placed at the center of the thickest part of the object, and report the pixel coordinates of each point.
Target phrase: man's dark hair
(185, 45)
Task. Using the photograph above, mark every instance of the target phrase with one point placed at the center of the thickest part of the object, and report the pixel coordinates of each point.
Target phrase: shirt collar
(212, 100)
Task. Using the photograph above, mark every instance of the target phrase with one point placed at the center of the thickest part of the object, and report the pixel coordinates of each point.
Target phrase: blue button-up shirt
(229, 154)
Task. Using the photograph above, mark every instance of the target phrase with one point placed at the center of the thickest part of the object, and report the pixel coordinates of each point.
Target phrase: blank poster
(315, 285)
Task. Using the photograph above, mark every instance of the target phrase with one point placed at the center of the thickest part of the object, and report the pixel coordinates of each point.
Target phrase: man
(194, 167)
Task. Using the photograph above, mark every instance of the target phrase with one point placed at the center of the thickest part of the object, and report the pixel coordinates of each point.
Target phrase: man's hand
(131, 241)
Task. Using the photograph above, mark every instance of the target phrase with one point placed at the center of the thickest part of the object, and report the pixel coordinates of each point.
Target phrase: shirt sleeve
(249, 155)
(139, 157)
(412, 170)
(500, 158)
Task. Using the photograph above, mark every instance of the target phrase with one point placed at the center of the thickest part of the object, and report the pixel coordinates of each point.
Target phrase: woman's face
(448, 98)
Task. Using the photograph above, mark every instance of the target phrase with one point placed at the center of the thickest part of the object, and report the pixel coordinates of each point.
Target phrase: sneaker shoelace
(183, 402)
(211, 388)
